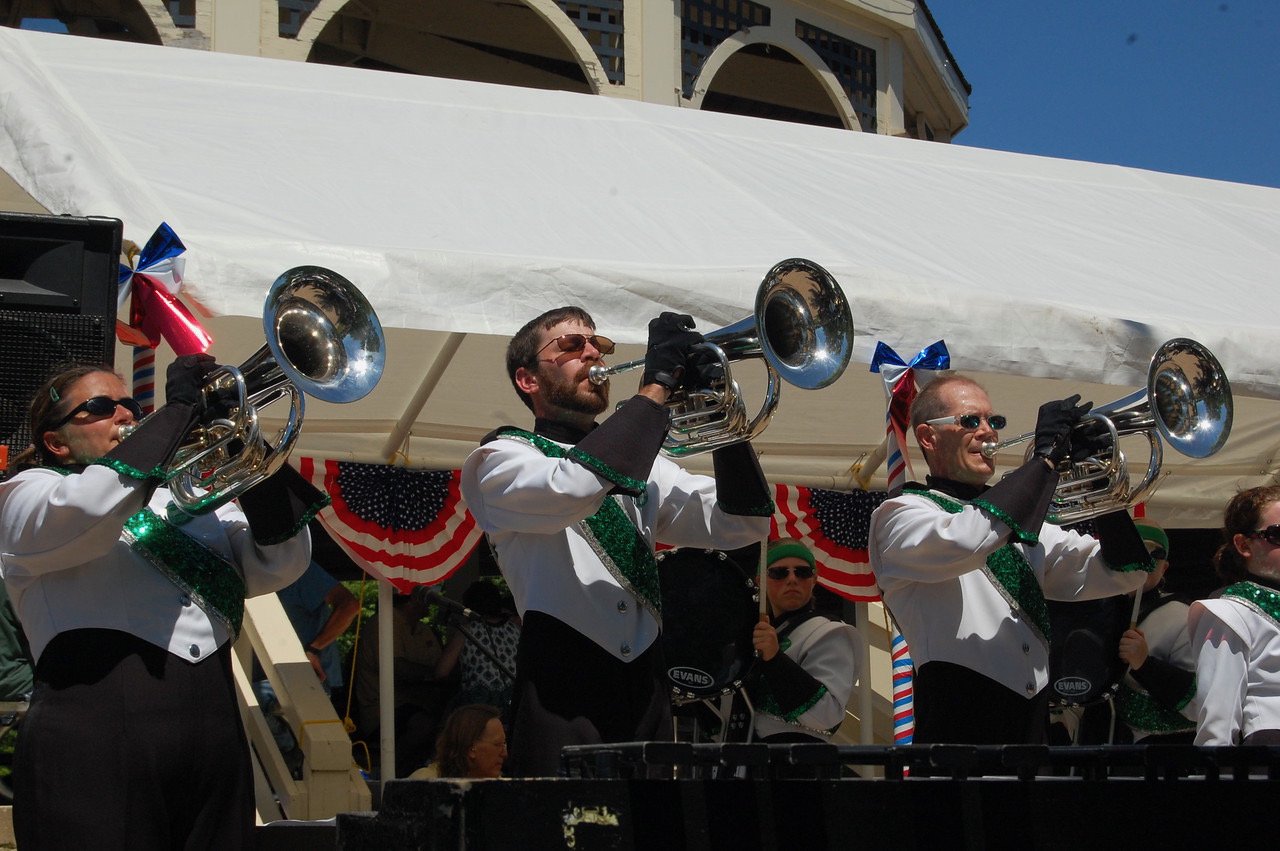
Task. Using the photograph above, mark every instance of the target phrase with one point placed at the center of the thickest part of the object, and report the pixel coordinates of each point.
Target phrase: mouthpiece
(126, 430)
(989, 450)
(598, 374)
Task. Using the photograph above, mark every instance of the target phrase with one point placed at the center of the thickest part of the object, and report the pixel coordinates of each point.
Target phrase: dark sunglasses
(780, 573)
(996, 421)
(1159, 554)
(101, 406)
(1271, 535)
(578, 342)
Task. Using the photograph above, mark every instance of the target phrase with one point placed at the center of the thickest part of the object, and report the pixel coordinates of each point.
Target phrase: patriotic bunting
(407, 526)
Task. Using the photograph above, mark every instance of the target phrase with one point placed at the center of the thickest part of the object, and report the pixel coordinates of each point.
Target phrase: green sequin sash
(611, 534)
(1261, 599)
(1009, 571)
(214, 583)
(1141, 712)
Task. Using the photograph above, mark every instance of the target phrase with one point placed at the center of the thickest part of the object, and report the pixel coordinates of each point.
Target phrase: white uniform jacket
(929, 564)
(829, 652)
(532, 505)
(1165, 631)
(67, 567)
(1237, 649)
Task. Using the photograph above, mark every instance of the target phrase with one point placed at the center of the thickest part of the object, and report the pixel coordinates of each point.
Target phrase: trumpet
(803, 331)
(1187, 403)
(323, 339)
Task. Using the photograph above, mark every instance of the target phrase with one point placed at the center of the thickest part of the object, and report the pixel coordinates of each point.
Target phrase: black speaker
(58, 283)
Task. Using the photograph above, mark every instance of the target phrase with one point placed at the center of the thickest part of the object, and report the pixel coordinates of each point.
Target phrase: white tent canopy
(463, 209)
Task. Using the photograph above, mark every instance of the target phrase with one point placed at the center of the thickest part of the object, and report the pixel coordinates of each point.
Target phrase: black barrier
(632, 796)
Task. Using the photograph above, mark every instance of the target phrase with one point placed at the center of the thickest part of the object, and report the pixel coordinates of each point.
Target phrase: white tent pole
(865, 693)
(443, 358)
(386, 682)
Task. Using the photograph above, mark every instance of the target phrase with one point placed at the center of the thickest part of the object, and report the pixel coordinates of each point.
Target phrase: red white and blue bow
(151, 288)
(901, 384)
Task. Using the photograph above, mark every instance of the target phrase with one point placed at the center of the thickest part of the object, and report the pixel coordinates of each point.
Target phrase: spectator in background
(472, 745)
(420, 697)
(320, 609)
(486, 677)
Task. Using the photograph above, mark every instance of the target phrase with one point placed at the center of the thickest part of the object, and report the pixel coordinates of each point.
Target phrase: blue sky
(1182, 86)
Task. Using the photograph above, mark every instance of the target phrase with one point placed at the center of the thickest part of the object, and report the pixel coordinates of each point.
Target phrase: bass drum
(709, 609)
(1084, 657)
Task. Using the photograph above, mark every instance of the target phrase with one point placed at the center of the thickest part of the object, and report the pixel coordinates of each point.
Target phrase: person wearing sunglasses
(1235, 634)
(807, 664)
(134, 738)
(965, 568)
(573, 509)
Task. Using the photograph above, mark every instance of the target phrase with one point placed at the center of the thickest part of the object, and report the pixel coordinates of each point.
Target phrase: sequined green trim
(633, 487)
(1144, 566)
(307, 517)
(754, 511)
(1260, 599)
(611, 534)
(1021, 535)
(213, 582)
(129, 470)
(1008, 569)
(1141, 711)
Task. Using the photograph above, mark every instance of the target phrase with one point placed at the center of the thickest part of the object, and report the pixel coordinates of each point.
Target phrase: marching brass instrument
(801, 328)
(323, 339)
(1187, 402)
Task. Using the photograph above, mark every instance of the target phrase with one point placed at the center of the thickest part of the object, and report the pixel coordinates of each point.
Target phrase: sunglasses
(996, 421)
(1159, 554)
(578, 342)
(781, 573)
(1271, 535)
(101, 406)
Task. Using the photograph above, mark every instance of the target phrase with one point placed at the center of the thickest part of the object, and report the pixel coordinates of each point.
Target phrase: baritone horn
(323, 339)
(803, 331)
(1187, 402)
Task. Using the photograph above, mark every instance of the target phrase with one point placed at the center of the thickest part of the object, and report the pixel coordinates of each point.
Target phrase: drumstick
(1137, 604)
(764, 565)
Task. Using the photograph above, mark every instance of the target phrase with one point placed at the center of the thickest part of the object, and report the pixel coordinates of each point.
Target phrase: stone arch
(139, 19)
(767, 38)
(575, 45)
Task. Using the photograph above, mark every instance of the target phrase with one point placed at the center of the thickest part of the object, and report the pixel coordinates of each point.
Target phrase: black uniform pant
(570, 691)
(957, 705)
(126, 746)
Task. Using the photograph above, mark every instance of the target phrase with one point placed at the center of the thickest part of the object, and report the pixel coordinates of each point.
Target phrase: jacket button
(622, 605)
(625, 649)
(194, 651)
(1026, 648)
(186, 600)
(1031, 688)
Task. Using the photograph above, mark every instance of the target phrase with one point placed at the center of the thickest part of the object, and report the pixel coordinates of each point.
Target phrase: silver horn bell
(323, 339)
(1187, 403)
(802, 329)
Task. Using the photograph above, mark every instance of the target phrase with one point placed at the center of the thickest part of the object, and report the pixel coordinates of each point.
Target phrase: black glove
(670, 337)
(1090, 438)
(1053, 427)
(185, 378)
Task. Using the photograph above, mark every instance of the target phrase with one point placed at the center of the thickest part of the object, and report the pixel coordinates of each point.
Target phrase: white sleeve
(833, 661)
(1222, 677)
(514, 487)
(688, 513)
(914, 540)
(265, 568)
(1074, 569)
(50, 521)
